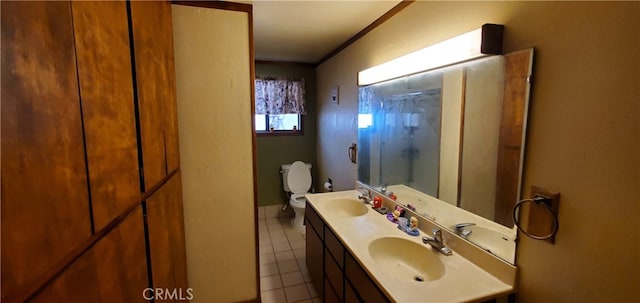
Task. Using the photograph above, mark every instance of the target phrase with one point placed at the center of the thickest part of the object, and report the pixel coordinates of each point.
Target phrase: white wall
(213, 81)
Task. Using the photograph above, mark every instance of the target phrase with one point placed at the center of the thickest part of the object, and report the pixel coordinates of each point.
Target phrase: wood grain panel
(314, 257)
(44, 184)
(516, 92)
(333, 274)
(106, 91)
(334, 246)
(329, 295)
(113, 270)
(166, 237)
(350, 295)
(153, 49)
(313, 220)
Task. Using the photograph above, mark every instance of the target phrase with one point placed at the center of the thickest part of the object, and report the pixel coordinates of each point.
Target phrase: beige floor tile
(267, 258)
(266, 248)
(272, 211)
(264, 239)
(270, 282)
(288, 266)
(306, 276)
(285, 256)
(300, 253)
(312, 290)
(302, 263)
(261, 213)
(296, 293)
(273, 296)
(292, 278)
(273, 221)
(294, 235)
(298, 244)
(281, 246)
(269, 270)
(276, 231)
(263, 234)
(288, 228)
(279, 238)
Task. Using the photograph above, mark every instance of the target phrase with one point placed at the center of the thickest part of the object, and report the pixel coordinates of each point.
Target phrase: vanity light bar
(481, 42)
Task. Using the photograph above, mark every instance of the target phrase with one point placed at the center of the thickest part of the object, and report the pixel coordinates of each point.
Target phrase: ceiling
(306, 31)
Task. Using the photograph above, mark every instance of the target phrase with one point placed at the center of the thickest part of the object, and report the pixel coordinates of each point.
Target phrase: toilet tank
(284, 170)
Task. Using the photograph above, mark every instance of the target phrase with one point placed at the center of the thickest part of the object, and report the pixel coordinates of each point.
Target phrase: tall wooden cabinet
(44, 180)
(156, 89)
(106, 94)
(91, 190)
(113, 270)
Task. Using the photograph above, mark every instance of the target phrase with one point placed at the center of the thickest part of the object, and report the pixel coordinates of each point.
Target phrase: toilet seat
(298, 201)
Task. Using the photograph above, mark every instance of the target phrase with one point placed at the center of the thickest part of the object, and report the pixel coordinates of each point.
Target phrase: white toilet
(296, 179)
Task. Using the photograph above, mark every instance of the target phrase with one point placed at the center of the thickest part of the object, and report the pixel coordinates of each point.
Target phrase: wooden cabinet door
(329, 295)
(362, 283)
(166, 237)
(113, 270)
(156, 92)
(45, 209)
(333, 274)
(314, 257)
(350, 295)
(106, 92)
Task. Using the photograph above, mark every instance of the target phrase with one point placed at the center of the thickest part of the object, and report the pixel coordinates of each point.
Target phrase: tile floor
(283, 273)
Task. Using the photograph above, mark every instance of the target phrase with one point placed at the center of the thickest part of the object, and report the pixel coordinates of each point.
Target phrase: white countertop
(462, 281)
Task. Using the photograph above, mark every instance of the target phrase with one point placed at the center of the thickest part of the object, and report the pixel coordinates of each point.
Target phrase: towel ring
(537, 201)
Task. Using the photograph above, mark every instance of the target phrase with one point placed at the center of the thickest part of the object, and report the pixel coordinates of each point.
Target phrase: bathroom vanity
(355, 254)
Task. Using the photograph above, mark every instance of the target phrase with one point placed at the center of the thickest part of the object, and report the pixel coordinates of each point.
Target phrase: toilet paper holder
(328, 185)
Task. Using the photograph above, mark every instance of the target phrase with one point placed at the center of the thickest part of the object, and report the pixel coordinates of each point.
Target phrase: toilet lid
(299, 178)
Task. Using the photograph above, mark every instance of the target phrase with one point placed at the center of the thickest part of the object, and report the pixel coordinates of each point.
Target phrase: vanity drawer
(335, 246)
(333, 273)
(361, 282)
(312, 218)
(329, 295)
(314, 257)
(350, 295)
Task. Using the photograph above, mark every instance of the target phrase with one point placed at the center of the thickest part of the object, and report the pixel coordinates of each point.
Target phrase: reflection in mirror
(452, 136)
(407, 143)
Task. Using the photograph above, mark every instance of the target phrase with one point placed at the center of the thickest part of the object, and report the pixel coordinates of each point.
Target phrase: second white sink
(346, 207)
(406, 260)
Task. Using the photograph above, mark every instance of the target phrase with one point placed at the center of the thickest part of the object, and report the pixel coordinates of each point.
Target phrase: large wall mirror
(450, 142)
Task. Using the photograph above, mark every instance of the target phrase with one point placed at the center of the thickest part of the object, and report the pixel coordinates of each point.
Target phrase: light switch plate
(334, 95)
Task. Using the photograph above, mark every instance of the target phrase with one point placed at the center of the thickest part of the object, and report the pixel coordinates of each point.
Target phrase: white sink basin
(346, 207)
(406, 260)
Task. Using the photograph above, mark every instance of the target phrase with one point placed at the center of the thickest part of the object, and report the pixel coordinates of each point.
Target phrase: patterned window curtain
(279, 96)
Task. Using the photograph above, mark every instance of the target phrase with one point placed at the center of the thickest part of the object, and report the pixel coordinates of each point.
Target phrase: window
(279, 105)
(273, 123)
(365, 120)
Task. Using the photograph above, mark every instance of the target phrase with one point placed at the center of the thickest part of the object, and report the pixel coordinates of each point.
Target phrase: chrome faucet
(383, 189)
(460, 229)
(437, 242)
(365, 196)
